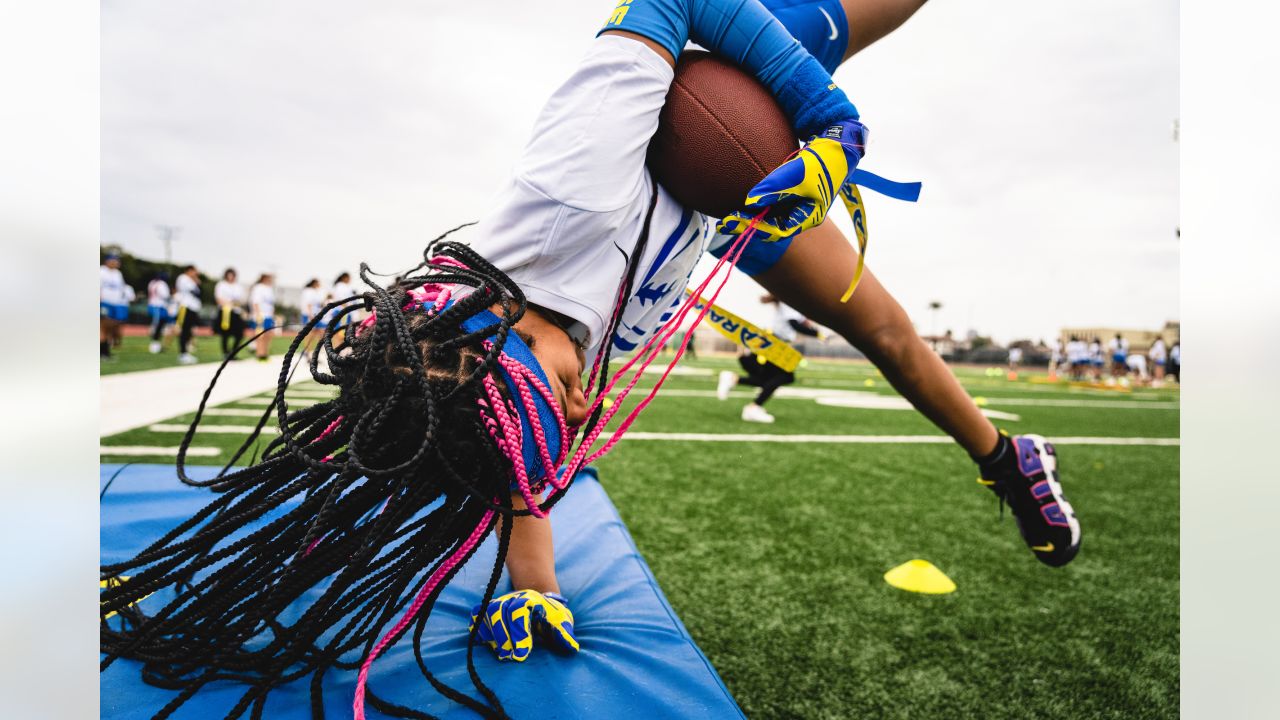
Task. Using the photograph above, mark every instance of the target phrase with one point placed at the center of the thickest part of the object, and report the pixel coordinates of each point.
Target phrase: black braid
(355, 503)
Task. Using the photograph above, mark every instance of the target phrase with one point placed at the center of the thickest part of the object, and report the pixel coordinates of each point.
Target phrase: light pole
(168, 233)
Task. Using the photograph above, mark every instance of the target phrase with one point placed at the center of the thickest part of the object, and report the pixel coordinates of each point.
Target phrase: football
(719, 134)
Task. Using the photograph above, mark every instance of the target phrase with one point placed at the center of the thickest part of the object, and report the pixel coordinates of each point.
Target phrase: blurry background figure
(341, 290)
(1095, 359)
(158, 296)
(1077, 357)
(1158, 357)
(787, 324)
(1175, 361)
(312, 301)
(230, 323)
(1055, 358)
(1015, 357)
(113, 304)
(1119, 349)
(691, 350)
(1138, 364)
(262, 307)
(187, 293)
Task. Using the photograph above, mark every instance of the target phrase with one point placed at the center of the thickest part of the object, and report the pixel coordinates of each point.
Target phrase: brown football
(719, 134)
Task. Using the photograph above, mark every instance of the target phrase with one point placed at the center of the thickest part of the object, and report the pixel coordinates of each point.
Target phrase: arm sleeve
(745, 32)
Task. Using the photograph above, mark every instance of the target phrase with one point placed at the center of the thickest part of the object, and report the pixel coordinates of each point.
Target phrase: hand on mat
(511, 621)
(800, 191)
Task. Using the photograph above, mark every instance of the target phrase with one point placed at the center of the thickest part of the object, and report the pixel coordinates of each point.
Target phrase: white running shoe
(754, 413)
(187, 359)
(727, 381)
(154, 348)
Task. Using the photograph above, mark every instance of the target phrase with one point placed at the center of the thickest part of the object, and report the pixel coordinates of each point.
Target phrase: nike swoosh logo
(1048, 547)
(834, 33)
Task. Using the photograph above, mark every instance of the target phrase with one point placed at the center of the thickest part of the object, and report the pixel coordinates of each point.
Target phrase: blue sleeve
(820, 25)
(746, 33)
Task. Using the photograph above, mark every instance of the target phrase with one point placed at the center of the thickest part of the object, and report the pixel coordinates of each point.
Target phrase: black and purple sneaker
(1023, 473)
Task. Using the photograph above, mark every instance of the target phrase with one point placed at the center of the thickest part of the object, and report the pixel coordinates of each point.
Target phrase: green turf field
(772, 553)
(133, 354)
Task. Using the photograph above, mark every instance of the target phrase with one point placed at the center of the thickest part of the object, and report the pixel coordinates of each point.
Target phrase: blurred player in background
(1119, 349)
(113, 304)
(787, 325)
(1015, 359)
(187, 293)
(158, 297)
(1175, 361)
(1096, 360)
(229, 297)
(312, 301)
(341, 290)
(262, 307)
(1158, 358)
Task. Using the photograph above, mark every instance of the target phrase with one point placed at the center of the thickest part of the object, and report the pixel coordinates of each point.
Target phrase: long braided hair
(369, 503)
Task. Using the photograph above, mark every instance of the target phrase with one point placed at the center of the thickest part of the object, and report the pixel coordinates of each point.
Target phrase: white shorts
(567, 222)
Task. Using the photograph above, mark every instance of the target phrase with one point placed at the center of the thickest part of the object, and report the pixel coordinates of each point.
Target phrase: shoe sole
(1049, 460)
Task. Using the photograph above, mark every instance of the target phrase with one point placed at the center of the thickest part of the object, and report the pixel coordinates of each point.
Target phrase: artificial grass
(133, 354)
(773, 554)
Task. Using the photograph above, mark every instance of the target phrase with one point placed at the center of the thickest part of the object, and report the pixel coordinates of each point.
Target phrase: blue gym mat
(637, 659)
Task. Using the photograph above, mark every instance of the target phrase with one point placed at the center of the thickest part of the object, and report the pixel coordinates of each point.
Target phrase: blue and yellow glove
(799, 192)
(511, 621)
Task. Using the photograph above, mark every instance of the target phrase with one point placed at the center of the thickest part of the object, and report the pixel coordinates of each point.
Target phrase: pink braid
(523, 377)
(647, 355)
(510, 442)
(441, 572)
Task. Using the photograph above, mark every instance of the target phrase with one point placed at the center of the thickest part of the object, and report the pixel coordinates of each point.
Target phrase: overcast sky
(302, 136)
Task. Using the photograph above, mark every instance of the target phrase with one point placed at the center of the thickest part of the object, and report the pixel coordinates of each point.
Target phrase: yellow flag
(759, 341)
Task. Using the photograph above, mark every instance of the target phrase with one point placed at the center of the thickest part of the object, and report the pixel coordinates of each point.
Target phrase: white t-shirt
(187, 292)
(1138, 364)
(341, 291)
(1157, 351)
(1175, 354)
(1015, 354)
(311, 301)
(158, 293)
(568, 221)
(228, 293)
(111, 287)
(262, 300)
(782, 323)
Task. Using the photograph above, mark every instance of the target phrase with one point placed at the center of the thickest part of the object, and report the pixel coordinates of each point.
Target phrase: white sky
(305, 136)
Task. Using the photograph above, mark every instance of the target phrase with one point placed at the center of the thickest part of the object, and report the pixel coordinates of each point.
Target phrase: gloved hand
(509, 624)
(799, 192)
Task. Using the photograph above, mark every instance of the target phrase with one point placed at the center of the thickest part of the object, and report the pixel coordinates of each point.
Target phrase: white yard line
(216, 429)
(232, 412)
(835, 397)
(877, 439)
(134, 399)
(144, 450)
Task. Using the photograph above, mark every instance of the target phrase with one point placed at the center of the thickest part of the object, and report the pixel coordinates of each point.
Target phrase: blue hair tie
(517, 350)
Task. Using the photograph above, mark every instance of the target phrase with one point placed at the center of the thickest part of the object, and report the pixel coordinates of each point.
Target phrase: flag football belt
(759, 341)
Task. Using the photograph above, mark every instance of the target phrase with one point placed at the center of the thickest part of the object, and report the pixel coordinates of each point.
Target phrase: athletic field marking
(878, 439)
(232, 412)
(292, 399)
(141, 450)
(221, 429)
(834, 396)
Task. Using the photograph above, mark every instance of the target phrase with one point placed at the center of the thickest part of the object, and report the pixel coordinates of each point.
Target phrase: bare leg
(812, 276)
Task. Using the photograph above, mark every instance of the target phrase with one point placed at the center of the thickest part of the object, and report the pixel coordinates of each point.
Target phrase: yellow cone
(869, 382)
(980, 401)
(607, 402)
(920, 576)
